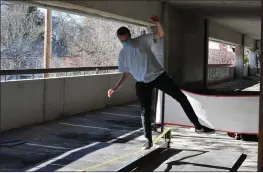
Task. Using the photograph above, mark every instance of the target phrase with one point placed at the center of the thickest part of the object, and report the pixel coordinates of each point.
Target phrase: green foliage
(246, 60)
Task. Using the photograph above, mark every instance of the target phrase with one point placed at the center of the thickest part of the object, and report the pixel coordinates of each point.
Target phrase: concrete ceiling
(240, 15)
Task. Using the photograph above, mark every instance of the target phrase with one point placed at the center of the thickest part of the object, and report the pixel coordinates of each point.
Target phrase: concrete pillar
(260, 131)
(239, 61)
(258, 53)
(252, 58)
(252, 63)
(184, 59)
(173, 42)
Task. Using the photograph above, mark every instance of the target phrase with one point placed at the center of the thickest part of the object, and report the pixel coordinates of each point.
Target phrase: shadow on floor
(160, 156)
(76, 155)
(55, 145)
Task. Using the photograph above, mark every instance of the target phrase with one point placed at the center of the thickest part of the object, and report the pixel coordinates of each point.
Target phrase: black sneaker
(147, 145)
(205, 130)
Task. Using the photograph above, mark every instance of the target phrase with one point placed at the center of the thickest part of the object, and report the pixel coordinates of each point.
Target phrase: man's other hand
(111, 92)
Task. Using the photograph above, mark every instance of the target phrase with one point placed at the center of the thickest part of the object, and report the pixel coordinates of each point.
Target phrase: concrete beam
(223, 33)
(249, 42)
(258, 44)
(137, 12)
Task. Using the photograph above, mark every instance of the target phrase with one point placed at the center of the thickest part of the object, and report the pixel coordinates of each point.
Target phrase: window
(22, 29)
(83, 41)
(77, 41)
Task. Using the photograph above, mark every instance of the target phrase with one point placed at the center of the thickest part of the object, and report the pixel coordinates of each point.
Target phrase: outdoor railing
(220, 72)
(54, 72)
(216, 72)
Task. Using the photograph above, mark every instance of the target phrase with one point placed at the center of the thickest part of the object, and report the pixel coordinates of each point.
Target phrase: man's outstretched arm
(160, 31)
(123, 78)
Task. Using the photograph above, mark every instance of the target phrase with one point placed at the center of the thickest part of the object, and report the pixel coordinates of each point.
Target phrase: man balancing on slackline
(137, 59)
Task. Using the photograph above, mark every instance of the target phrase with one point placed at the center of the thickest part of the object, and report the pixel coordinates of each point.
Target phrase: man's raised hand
(155, 19)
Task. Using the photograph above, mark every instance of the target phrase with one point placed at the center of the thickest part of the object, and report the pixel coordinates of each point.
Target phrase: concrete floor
(184, 138)
(247, 84)
(194, 160)
(100, 140)
(75, 139)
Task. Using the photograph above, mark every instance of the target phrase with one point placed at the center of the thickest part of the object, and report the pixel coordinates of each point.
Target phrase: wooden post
(260, 131)
(48, 40)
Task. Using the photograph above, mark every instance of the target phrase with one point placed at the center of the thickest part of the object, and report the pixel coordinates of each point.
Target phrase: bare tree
(88, 41)
(19, 33)
(92, 41)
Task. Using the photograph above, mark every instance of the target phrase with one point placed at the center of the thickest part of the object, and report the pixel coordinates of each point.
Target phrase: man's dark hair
(123, 31)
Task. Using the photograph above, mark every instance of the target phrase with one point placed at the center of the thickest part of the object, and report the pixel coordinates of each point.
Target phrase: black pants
(164, 83)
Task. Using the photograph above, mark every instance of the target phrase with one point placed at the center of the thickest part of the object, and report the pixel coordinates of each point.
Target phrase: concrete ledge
(249, 42)
(21, 103)
(29, 102)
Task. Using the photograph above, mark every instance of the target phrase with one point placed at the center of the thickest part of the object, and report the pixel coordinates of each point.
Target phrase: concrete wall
(35, 101)
(224, 33)
(130, 11)
(184, 46)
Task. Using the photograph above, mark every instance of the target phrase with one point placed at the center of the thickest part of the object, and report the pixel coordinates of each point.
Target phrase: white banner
(239, 114)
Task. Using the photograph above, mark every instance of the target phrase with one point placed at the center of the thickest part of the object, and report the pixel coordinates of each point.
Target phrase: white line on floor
(52, 161)
(109, 113)
(125, 135)
(57, 165)
(138, 106)
(82, 119)
(92, 127)
(60, 157)
(121, 108)
(48, 146)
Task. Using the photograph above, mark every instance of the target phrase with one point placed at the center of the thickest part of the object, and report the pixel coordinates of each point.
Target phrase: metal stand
(162, 120)
(155, 98)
